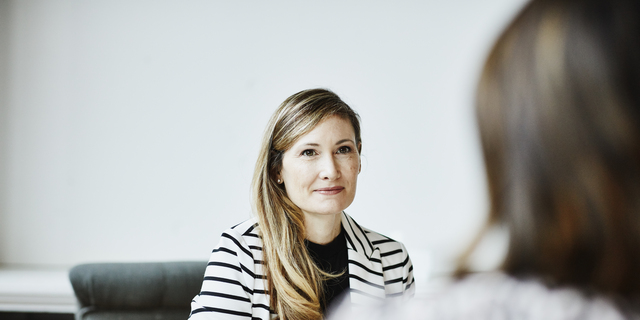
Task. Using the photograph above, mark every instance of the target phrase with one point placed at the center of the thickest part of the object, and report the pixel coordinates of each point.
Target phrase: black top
(332, 258)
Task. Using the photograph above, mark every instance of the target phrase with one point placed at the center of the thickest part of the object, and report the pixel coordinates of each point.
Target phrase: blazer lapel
(366, 280)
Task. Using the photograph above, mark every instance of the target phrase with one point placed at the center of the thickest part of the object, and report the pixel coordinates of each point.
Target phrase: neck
(322, 229)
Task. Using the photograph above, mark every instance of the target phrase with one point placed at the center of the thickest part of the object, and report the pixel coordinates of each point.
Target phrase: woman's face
(320, 171)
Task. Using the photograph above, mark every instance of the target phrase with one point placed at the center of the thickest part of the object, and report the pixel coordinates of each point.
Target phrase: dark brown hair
(558, 109)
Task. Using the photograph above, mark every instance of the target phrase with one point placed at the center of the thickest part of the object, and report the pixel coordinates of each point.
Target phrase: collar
(356, 237)
(366, 279)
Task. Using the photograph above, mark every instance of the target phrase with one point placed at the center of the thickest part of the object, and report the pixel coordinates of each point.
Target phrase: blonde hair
(293, 279)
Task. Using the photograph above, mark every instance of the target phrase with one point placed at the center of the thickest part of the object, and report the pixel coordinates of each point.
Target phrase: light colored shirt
(493, 296)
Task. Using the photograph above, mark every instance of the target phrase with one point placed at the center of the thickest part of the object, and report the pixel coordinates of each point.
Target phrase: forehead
(333, 127)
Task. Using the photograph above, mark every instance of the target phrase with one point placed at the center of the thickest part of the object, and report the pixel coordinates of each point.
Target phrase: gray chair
(141, 291)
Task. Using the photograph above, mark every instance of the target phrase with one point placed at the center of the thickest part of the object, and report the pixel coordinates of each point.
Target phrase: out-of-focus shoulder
(492, 296)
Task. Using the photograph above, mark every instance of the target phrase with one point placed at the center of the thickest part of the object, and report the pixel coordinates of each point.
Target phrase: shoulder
(247, 228)
(243, 236)
(378, 241)
(497, 295)
(382, 242)
(392, 253)
(490, 296)
(232, 283)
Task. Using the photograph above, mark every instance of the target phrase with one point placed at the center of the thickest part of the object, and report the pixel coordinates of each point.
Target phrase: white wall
(129, 129)
(4, 83)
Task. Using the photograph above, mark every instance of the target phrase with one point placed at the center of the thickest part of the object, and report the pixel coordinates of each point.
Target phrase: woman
(302, 250)
(558, 109)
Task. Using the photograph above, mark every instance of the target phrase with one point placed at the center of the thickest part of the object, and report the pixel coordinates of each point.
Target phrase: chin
(335, 210)
(327, 211)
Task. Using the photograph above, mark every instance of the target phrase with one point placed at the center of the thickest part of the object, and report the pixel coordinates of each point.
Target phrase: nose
(329, 169)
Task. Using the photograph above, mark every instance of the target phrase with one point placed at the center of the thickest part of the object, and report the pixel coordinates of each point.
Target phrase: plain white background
(129, 129)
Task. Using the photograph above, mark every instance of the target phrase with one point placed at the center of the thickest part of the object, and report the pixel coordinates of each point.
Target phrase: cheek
(353, 166)
(298, 174)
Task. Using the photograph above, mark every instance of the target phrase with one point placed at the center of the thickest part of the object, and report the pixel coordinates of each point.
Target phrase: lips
(330, 190)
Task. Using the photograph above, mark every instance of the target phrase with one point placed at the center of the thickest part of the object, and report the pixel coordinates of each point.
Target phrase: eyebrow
(345, 140)
(313, 144)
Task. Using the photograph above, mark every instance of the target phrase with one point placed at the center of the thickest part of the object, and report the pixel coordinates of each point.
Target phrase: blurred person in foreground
(301, 250)
(558, 109)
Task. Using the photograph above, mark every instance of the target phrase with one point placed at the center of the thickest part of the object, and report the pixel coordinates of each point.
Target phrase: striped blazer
(234, 285)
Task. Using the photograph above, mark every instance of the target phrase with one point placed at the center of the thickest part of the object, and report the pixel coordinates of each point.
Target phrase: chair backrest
(158, 290)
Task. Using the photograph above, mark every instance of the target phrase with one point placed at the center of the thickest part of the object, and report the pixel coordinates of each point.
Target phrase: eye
(308, 153)
(344, 149)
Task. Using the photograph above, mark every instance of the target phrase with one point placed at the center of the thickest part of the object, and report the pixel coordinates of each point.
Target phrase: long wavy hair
(558, 109)
(293, 279)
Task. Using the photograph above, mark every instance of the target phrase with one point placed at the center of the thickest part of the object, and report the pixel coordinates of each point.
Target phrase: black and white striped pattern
(234, 286)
